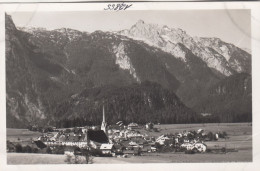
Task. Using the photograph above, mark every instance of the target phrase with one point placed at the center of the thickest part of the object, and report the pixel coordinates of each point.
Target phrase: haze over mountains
(146, 73)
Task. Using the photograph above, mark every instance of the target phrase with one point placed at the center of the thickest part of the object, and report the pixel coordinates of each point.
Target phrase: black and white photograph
(125, 86)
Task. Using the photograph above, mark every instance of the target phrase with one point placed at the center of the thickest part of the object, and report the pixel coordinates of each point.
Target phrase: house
(118, 149)
(186, 140)
(187, 146)
(133, 126)
(107, 149)
(200, 147)
(146, 148)
(149, 126)
(132, 143)
(61, 138)
(200, 131)
(161, 140)
(206, 114)
(153, 149)
(130, 152)
(119, 122)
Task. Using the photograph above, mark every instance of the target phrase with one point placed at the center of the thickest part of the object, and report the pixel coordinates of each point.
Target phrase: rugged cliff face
(230, 99)
(49, 72)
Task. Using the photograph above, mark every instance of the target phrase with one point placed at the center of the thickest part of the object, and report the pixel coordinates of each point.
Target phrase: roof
(72, 138)
(118, 146)
(40, 144)
(119, 122)
(62, 138)
(97, 136)
(132, 143)
(200, 130)
(133, 125)
(82, 137)
(106, 146)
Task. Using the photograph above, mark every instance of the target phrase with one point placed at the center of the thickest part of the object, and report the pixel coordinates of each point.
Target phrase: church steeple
(104, 124)
(104, 119)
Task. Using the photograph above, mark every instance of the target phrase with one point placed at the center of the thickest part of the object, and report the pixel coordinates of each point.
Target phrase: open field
(22, 134)
(241, 156)
(31, 158)
(230, 128)
(240, 137)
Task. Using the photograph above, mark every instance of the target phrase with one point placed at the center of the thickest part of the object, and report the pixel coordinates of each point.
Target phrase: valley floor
(240, 138)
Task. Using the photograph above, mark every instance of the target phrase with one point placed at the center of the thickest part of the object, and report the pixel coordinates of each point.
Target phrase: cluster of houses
(120, 139)
(124, 140)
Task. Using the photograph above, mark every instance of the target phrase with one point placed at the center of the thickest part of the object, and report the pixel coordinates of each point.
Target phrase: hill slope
(133, 103)
(230, 100)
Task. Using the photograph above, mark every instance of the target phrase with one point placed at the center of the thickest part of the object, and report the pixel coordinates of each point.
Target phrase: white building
(107, 148)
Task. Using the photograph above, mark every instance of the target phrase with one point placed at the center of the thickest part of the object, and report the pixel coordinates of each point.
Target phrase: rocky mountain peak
(32, 30)
(9, 24)
(215, 52)
(140, 22)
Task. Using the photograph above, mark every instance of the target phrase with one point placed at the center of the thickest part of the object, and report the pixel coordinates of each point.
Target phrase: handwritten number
(128, 6)
(118, 7)
(108, 7)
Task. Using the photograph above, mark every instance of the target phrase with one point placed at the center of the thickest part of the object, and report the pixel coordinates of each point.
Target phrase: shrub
(18, 148)
(95, 152)
(68, 158)
(27, 149)
(210, 136)
(88, 158)
(224, 150)
(208, 150)
(78, 159)
(48, 150)
(35, 150)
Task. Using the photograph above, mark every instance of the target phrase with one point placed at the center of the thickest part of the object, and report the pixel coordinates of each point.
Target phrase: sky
(232, 26)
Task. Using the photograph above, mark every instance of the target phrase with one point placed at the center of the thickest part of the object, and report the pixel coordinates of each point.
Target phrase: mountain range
(147, 73)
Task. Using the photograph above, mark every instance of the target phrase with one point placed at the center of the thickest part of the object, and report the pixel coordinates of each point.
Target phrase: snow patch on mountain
(124, 61)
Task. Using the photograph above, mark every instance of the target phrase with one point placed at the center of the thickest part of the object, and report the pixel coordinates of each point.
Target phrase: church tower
(104, 124)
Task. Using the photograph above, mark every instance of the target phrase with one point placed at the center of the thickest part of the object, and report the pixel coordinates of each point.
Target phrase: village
(120, 140)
